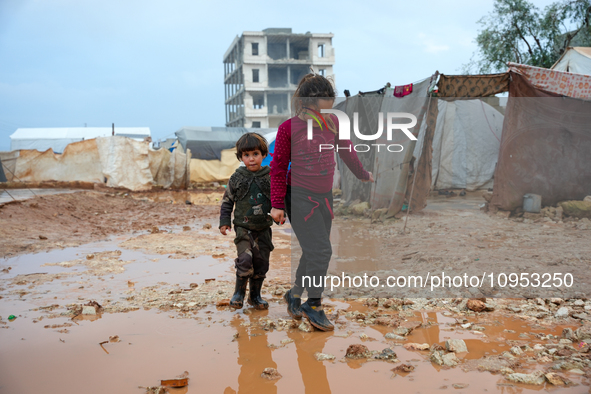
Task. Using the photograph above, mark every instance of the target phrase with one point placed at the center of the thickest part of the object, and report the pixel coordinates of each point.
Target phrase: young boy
(248, 194)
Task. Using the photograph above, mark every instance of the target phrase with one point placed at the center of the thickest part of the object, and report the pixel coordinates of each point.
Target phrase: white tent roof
(575, 60)
(57, 138)
(79, 132)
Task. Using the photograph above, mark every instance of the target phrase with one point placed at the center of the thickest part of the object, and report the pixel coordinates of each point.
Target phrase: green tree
(517, 31)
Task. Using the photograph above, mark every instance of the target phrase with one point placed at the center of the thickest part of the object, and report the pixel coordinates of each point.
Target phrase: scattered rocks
(386, 354)
(561, 312)
(359, 209)
(416, 346)
(536, 378)
(456, 346)
(476, 305)
(556, 380)
(305, 326)
(323, 356)
(391, 335)
(207, 226)
(357, 351)
(271, 374)
(439, 357)
(404, 368)
(186, 228)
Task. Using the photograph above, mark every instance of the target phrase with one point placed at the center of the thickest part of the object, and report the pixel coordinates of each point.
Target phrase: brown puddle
(157, 346)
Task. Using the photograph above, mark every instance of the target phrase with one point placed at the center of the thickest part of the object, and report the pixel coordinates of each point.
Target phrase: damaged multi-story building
(262, 70)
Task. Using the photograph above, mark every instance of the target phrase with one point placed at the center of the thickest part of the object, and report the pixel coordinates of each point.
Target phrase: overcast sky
(157, 64)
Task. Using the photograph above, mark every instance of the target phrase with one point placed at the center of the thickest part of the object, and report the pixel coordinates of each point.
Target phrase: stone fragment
(357, 351)
(555, 379)
(476, 305)
(404, 368)
(359, 209)
(577, 209)
(271, 374)
(89, 310)
(305, 326)
(456, 346)
(561, 312)
(323, 356)
(416, 346)
(441, 358)
(206, 226)
(391, 335)
(536, 378)
(386, 354)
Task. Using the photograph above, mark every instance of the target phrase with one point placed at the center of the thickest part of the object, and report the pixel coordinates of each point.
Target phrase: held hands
(225, 229)
(278, 215)
(370, 178)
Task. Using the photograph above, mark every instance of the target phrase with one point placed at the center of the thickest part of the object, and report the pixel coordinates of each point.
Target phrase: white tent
(42, 139)
(465, 145)
(575, 60)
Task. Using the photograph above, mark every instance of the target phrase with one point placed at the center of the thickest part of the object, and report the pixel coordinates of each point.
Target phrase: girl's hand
(225, 229)
(370, 178)
(278, 215)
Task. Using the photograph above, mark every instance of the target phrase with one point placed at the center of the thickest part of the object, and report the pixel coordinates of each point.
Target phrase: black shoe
(316, 317)
(293, 305)
(237, 300)
(254, 294)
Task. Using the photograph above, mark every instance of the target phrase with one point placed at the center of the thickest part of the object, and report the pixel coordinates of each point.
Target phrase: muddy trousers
(254, 249)
(311, 217)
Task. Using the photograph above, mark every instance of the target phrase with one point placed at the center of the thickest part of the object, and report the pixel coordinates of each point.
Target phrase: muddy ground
(113, 291)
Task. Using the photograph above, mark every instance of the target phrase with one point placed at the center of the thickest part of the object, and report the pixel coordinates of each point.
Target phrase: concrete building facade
(262, 70)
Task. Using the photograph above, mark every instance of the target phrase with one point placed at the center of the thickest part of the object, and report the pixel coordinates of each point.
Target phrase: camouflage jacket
(248, 194)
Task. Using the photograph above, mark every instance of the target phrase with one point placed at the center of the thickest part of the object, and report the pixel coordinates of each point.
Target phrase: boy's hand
(278, 215)
(225, 229)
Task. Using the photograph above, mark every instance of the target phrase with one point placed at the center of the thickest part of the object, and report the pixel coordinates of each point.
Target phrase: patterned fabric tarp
(472, 85)
(545, 147)
(553, 81)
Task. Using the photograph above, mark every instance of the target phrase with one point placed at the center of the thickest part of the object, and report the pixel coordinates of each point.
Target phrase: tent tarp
(215, 170)
(545, 148)
(390, 169)
(9, 163)
(123, 161)
(79, 162)
(207, 143)
(472, 85)
(553, 81)
(575, 60)
(466, 145)
(2, 175)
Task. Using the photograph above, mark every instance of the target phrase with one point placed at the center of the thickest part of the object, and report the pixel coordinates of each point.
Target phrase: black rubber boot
(254, 294)
(293, 305)
(316, 317)
(237, 300)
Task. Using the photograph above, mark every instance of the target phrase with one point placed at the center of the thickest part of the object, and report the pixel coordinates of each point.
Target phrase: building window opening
(255, 48)
(320, 50)
(322, 72)
(256, 125)
(255, 75)
(258, 100)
